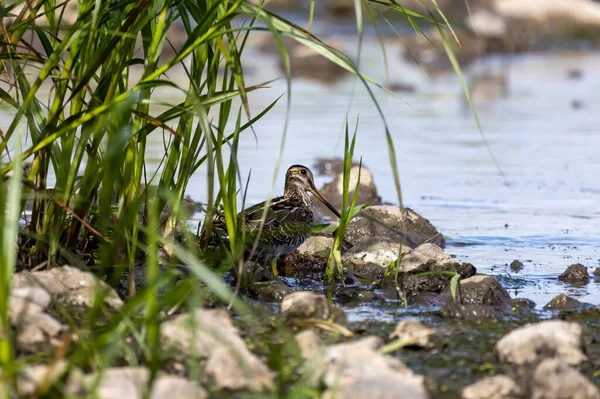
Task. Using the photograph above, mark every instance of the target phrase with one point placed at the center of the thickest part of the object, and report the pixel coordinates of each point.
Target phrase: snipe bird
(288, 220)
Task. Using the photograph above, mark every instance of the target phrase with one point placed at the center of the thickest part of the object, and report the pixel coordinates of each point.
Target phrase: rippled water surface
(541, 126)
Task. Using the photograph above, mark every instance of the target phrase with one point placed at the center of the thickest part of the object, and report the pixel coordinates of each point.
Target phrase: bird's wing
(276, 214)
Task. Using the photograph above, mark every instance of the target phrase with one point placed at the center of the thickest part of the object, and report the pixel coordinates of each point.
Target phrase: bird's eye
(303, 171)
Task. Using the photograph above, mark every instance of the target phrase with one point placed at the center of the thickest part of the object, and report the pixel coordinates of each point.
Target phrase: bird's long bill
(317, 194)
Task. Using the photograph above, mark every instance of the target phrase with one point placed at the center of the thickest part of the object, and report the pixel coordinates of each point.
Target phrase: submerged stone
(211, 337)
(390, 222)
(575, 274)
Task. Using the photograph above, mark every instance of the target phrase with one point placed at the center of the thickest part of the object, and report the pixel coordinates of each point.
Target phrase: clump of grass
(334, 262)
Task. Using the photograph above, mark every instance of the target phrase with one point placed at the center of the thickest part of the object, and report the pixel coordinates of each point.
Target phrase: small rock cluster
(541, 361)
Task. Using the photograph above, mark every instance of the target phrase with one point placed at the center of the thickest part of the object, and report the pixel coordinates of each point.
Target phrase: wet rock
(430, 258)
(529, 345)
(522, 303)
(333, 191)
(562, 302)
(555, 379)
(479, 289)
(308, 305)
(355, 370)
(356, 294)
(496, 387)
(389, 222)
(516, 265)
(414, 333)
(310, 259)
(308, 342)
(271, 291)
(210, 336)
(597, 272)
(470, 312)
(69, 286)
(575, 274)
(372, 256)
(35, 380)
(132, 383)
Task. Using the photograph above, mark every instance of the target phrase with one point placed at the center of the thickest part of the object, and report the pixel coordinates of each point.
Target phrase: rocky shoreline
(478, 344)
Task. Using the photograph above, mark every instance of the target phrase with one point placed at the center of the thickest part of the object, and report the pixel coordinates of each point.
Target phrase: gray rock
(271, 291)
(26, 302)
(333, 191)
(309, 342)
(496, 387)
(308, 305)
(562, 302)
(355, 370)
(529, 345)
(36, 379)
(555, 379)
(575, 274)
(414, 333)
(481, 290)
(69, 286)
(387, 221)
(372, 256)
(39, 333)
(310, 259)
(209, 335)
(597, 272)
(132, 383)
(516, 265)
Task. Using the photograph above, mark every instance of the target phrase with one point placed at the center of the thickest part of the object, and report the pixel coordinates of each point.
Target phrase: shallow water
(544, 211)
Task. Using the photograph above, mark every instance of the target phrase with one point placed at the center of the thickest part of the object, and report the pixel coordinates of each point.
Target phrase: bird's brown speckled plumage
(288, 220)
